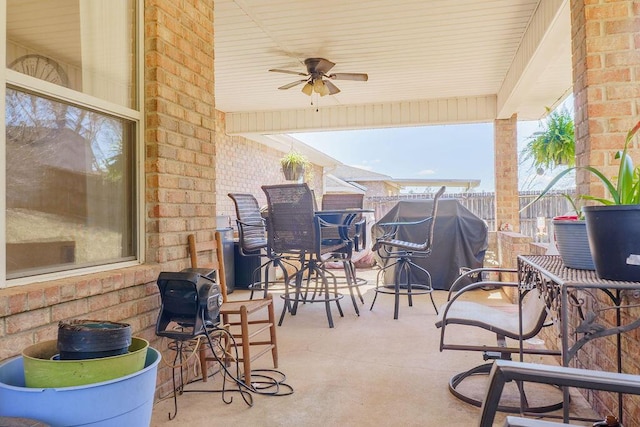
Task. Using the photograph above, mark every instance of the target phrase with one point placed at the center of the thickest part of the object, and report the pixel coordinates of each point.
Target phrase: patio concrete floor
(367, 370)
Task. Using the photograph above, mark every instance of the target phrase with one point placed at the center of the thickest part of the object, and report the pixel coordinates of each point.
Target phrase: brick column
(506, 173)
(606, 74)
(605, 38)
(179, 115)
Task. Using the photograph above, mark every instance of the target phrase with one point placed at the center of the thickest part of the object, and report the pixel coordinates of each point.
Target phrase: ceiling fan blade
(361, 77)
(333, 89)
(297, 73)
(318, 65)
(292, 84)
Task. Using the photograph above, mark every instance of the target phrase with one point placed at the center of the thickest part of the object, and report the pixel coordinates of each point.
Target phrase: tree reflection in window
(69, 180)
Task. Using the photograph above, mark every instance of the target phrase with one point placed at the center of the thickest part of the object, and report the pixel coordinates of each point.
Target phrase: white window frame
(22, 81)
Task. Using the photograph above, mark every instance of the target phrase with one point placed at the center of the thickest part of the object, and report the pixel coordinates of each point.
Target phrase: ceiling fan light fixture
(307, 89)
(320, 87)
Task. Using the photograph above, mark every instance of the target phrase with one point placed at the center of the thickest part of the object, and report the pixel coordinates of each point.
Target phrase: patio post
(506, 173)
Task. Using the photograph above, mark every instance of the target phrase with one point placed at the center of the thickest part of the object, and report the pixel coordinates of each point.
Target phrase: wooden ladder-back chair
(251, 337)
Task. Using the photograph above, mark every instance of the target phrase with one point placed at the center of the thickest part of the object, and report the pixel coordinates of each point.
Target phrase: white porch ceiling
(429, 61)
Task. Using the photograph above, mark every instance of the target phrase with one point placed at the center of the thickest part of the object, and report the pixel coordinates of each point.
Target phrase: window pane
(70, 186)
(86, 45)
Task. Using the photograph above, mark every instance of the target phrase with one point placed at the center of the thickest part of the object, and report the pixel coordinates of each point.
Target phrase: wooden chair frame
(252, 331)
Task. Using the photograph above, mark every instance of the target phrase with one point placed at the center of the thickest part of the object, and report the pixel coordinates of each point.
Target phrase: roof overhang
(429, 62)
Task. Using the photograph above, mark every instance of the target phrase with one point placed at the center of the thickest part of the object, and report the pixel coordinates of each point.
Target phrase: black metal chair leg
(327, 302)
(350, 284)
(406, 266)
(375, 295)
(287, 304)
(396, 305)
(433, 303)
(352, 266)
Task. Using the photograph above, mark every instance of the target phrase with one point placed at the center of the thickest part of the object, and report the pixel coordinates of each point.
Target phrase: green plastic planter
(41, 370)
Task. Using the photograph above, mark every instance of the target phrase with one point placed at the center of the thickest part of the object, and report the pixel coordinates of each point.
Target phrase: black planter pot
(573, 244)
(614, 239)
(91, 339)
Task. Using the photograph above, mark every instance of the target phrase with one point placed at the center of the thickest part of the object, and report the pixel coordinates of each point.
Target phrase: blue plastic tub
(123, 402)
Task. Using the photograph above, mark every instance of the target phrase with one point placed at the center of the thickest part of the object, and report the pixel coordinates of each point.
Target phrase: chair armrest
(341, 227)
(504, 371)
(262, 223)
(390, 229)
(403, 223)
(338, 234)
(476, 271)
(478, 285)
(442, 316)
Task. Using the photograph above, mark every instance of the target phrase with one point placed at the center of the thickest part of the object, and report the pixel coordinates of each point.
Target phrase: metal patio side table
(566, 288)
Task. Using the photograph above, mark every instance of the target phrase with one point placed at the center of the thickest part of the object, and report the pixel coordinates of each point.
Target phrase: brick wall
(30, 314)
(179, 101)
(180, 124)
(506, 171)
(179, 174)
(243, 166)
(606, 72)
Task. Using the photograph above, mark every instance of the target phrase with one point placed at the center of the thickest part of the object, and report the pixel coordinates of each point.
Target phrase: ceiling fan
(316, 77)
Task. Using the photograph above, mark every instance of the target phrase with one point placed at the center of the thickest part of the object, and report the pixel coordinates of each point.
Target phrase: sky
(462, 151)
(426, 152)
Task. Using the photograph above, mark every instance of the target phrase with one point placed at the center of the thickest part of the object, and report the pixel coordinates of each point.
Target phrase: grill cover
(460, 239)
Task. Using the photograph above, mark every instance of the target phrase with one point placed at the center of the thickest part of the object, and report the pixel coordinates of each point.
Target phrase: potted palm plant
(613, 226)
(294, 165)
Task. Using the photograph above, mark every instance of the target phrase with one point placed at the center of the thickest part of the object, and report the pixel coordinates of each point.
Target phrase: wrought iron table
(566, 288)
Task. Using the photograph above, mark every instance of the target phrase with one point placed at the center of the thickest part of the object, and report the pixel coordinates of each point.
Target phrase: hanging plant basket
(294, 165)
(293, 172)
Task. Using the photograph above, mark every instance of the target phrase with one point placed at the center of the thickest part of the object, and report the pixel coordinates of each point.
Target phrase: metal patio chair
(504, 371)
(518, 322)
(294, 228)
(253, 242)
(357, 230)
(400, 254)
